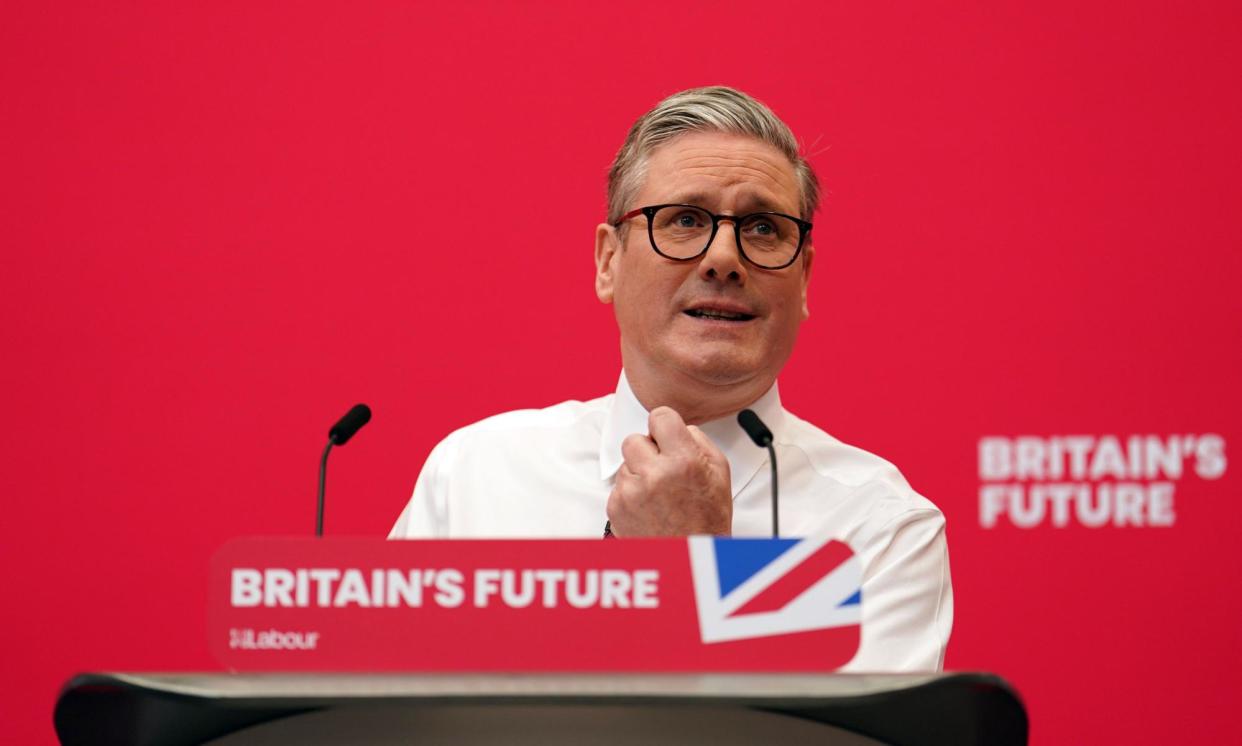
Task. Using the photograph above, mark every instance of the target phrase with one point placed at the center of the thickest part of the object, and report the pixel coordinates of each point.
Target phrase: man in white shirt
(705, 257)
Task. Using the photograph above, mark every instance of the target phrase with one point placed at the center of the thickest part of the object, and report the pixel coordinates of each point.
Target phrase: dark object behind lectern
(964, 709)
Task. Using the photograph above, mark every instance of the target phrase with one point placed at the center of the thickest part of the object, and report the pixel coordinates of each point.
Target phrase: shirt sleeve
(426, 514)
(907, 596)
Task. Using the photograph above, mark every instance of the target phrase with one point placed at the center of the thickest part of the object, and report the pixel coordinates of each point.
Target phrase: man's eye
(686, 220)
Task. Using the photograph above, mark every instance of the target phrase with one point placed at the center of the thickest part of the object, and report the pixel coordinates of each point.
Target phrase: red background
(222, 226)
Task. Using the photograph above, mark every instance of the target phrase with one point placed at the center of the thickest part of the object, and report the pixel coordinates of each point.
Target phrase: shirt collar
(627, 416)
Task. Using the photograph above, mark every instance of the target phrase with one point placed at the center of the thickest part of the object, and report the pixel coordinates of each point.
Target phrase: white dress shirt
(547, 473)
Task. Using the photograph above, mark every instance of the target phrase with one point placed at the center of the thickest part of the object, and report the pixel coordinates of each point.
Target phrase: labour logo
(747, 588)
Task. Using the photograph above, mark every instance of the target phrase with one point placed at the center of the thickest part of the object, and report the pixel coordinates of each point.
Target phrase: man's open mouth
(712, 313)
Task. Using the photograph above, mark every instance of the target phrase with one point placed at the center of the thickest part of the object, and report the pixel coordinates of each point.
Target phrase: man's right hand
(674, 482)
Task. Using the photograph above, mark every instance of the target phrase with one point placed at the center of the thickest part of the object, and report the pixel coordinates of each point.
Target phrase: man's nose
(722, 261)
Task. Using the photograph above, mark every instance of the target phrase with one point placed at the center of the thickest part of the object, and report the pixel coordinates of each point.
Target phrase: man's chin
(695, 364)
(721, 370)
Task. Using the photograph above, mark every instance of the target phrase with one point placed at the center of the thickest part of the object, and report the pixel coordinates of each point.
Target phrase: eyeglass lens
(681, 232)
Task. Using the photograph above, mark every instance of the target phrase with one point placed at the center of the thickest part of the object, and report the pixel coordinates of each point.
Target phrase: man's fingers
(704, 442)
(636, 449)
(675, 482)
(668, 430)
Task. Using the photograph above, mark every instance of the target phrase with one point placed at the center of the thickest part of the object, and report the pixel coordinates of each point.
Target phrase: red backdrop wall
(223, 225)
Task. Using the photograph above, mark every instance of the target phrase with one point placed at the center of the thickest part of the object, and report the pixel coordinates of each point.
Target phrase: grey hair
(710, 109)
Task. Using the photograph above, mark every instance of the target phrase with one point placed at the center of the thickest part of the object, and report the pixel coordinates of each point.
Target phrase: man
(705, 257)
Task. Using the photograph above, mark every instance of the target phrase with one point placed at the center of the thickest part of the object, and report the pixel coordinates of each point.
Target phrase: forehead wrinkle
(767, 174)
(712, 187)
(737, 172)
(706, 159)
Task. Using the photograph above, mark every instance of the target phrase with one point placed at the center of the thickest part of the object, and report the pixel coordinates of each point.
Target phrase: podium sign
(687, 604)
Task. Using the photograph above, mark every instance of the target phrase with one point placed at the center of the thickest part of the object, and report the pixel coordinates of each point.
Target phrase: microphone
(339, 435)
(351, 423)
(762, 436)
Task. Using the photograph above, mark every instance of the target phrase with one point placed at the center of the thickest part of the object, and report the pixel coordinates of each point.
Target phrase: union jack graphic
(747, 588)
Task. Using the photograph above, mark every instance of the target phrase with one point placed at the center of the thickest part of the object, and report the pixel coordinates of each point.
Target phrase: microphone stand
(323, 478)
(776, 521)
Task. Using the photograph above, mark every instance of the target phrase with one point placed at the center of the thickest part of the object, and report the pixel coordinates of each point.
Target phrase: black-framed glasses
(770, 240)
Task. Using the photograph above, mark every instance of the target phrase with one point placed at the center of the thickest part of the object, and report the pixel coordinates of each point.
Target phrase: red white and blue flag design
(747, 588)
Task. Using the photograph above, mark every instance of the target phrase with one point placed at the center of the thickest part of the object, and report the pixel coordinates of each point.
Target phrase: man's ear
(808, 255)
(607, 250)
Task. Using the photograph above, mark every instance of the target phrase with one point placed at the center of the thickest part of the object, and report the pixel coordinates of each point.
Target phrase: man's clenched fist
(674, 482)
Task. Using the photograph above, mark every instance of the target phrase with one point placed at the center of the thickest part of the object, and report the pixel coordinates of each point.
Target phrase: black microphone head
(755, 428)
(351, 423)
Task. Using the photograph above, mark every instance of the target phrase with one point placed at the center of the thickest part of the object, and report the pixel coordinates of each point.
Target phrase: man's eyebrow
(691, 198)
(750, 202)
(755, 203)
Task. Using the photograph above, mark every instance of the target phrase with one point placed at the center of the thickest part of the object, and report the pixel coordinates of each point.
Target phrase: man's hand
(673, 483)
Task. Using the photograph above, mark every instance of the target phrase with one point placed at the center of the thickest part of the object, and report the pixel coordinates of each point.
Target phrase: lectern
(645, 641)
(961, 709)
